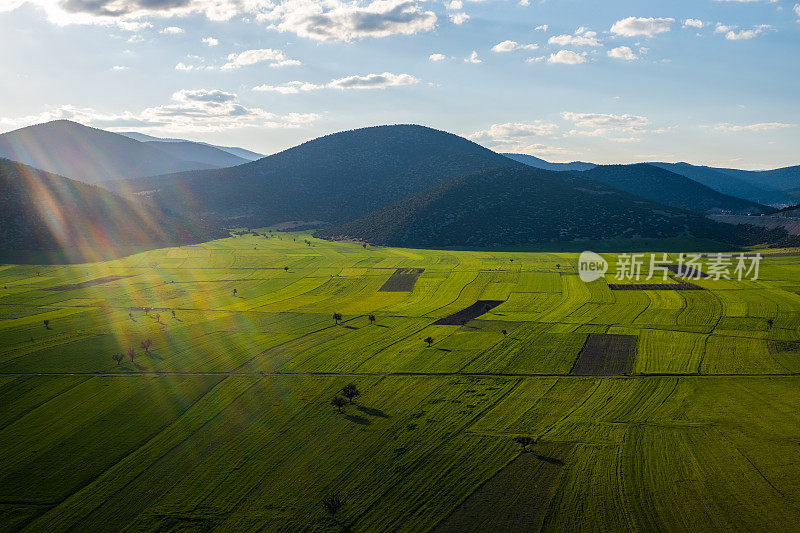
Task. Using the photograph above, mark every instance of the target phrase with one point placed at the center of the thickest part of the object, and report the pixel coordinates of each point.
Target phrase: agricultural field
(190, 389)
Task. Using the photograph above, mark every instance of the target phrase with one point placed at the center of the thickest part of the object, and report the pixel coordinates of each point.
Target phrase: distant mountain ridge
(668, 188)
(536, 162)
(243, 153)
(88, 154)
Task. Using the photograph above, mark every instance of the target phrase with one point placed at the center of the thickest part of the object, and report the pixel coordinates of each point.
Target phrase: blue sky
(705, 81)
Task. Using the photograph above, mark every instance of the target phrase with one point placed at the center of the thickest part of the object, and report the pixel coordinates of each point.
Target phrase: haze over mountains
(95, 156)
(403, 185)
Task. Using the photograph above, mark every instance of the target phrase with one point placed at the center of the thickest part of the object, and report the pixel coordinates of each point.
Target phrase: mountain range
(404, 185)
(96, 156)
(778, 186)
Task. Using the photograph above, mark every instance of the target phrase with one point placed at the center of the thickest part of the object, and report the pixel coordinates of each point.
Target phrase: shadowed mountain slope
(332, 179)
(668, 188)
(509, 206)
(43, 211)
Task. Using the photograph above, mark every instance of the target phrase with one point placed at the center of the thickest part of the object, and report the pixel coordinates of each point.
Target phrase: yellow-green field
(226, 423)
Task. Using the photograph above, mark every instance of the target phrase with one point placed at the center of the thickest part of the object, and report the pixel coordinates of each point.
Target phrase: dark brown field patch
(606, 355)
(83, 284)
(465, 315)
(680, 286)
(402, 280)
(687, 271)
(514, 499)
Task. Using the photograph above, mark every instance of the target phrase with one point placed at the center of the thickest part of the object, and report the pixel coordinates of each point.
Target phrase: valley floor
(684, 416)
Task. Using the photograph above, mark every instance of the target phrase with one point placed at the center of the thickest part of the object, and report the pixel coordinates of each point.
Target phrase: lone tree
(337, 317)
(371, 319)
(338, 402)
(350, 391)
(131, 354)
(146, 345)
(333, 503)
(234, 292)
(504, 332)
(173, 313)
(286, 269)
(429, 340)
(158, 318)
(525, 442)
(118, 357)
(47, 324)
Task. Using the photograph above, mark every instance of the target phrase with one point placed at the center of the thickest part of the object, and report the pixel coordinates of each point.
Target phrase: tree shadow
(380, 325)
(444, 350)
(358, 419)
(371, 411)
(350, 327)
(551, 460)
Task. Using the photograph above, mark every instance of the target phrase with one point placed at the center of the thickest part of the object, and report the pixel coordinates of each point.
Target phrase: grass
(226, 423)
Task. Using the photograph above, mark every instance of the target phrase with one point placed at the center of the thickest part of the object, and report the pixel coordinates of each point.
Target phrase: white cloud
(315, 19)
(634, 26)
(458, 18)
(210, 41)
(567, 57)
(622, 52)
(510, 46)
(454, 5)
(119, 68)
(370, 81)
(373, 81)
(762, 126)
(732, 34)
(172, 30)
(582, 37)
(514, 130)
(607, 125)
(198, 110)
(693, 23)
(473, 58)
(345, 21)
(543, 27)
(538, 59)
(437, 57)
(275, 58)
(797, 10)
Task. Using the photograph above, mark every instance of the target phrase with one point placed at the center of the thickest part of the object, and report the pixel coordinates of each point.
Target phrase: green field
(226, 423)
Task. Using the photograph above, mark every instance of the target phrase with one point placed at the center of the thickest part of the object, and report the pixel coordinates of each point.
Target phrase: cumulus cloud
(315, 19)
(514, 130)
(510, 46)
(473, 58)
(637, 26)
(210, 41)
(622, 52)
(119, 68)
(732, 33)
(761, 126)
(797, 10)
(190, 110)
(172, 30)
(437, 57)
(543, 27)
(607, 125)
(693, 23)
(582, 37)
(370, 81)
(458, 18)
(275, 58)
(567, 57)
(344, 21)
